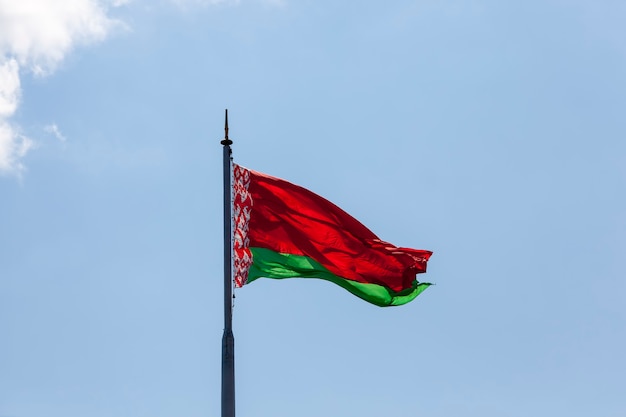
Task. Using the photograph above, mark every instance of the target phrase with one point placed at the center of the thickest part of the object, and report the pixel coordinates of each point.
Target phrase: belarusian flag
(283, 230)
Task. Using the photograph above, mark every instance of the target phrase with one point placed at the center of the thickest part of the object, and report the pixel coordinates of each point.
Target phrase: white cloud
(54, 130)
(40, 33)
(13, 146)
(35, 36)
(9, 87)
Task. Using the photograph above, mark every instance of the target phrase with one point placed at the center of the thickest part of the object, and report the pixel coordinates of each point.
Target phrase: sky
(490, 132)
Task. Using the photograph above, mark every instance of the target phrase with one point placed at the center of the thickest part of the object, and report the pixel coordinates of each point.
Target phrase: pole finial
(226, 141)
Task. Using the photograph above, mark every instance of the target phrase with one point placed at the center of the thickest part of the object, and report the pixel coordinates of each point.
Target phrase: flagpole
(228, 339)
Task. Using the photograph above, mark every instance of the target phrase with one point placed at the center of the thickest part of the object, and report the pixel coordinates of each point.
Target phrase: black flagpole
(228, 340)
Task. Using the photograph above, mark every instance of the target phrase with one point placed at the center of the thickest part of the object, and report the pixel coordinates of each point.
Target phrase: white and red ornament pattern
(242, 204)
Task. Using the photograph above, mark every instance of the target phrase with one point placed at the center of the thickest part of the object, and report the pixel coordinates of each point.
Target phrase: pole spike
(226, 141)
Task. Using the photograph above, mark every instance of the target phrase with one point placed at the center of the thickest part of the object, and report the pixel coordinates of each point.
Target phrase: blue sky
(492, 133)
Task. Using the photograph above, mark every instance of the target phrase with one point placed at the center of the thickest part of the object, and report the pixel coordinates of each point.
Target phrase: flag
(282, 230)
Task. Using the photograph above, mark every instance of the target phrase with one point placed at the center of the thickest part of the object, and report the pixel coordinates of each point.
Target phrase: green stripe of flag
(270, 264)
